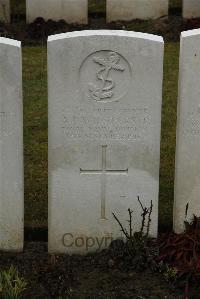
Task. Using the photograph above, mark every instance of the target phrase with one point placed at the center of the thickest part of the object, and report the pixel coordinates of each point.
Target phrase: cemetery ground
(107, 274)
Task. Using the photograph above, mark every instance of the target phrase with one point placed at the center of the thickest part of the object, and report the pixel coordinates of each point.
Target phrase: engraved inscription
(122, 124)
(105, 76)
(192, 123)
(104, 172)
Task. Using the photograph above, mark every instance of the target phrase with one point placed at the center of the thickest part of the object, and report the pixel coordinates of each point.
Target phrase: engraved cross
(103, 172)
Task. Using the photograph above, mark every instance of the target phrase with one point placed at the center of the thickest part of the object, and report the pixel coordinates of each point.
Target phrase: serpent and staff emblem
(105, 89)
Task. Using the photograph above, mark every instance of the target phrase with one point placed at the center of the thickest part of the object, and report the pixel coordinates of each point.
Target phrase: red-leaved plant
(182, 252)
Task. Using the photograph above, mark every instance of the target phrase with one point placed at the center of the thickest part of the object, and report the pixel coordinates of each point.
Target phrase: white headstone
(72, 11)
(136, 9)
(11, 146)
(5, 11)
(191, 9)
(187, 179)
(105, 94)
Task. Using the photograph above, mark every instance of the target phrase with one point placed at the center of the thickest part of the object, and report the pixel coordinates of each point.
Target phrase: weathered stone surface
(72, 11)
(191, 9)
(187, 179)
(105, 91)
(11, 146)
(5, 11)
(136, 9)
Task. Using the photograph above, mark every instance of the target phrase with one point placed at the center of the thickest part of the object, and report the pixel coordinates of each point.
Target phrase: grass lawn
(168, 140)
(35, 134)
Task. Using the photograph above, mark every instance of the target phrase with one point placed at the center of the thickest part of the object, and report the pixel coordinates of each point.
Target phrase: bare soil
(37, 32)
(104, 275)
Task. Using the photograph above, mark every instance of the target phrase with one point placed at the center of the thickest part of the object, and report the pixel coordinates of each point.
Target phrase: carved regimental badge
(105, 76)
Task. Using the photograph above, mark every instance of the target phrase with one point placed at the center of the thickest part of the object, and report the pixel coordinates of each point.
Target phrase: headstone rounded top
(87, 33)
(11, 147)
(187, 167)
(105, 98)
(9, 41)
(189, 33)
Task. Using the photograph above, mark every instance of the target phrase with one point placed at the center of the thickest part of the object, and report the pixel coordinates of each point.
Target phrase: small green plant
(69, 293)
(170, 273)
(11, 284)
(182, 252)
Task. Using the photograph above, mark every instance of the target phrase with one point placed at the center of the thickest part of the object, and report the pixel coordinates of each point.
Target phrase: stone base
(72, 11)
(191, 9)
(5, 11)
(136, 9)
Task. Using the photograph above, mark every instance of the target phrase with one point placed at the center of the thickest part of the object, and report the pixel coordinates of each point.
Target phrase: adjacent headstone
(191, 9)
(72, 11)
(105, 94)
(136, 9)
(5, 11)
(187, 179)
(11, 146)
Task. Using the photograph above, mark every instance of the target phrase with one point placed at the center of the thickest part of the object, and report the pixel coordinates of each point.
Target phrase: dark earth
(37, 32)
(107, 274)
(103, 275)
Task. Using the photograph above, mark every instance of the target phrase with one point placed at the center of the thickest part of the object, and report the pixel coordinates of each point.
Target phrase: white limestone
(72, 11)
(11, 146)
(191, 9)
(5, 11)
(136, 9)
(105, 91)
(187, 179)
